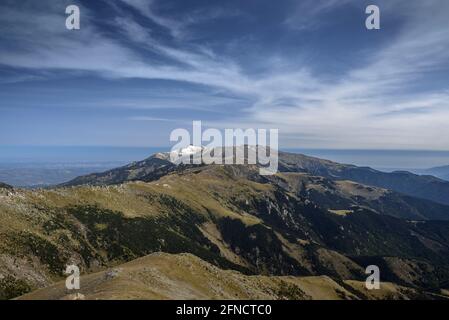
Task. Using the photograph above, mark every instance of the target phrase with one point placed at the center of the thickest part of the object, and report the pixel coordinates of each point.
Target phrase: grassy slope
(184, 276)
(340, 196)
(215, 213)
(95, 227)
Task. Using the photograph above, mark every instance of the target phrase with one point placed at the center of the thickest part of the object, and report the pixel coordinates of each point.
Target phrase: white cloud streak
(369, 107)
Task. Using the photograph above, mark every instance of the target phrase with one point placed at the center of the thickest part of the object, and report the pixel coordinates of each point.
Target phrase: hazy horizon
(378, 159)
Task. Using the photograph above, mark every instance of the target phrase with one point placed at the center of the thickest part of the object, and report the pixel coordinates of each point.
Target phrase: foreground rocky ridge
(184, 276)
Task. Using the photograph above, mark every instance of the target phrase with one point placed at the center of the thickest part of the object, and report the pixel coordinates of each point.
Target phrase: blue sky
(138, 69)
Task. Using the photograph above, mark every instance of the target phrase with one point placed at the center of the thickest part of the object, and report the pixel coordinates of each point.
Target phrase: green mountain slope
(343, 196)
(425, 187)
(228, 216)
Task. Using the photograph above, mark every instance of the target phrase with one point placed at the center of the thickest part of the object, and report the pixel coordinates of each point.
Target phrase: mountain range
(440, 172)
(420, 186)
(307, 232)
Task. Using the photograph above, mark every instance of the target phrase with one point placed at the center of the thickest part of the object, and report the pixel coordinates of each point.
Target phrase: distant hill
(158, 164)
(425, 187)
(440, 172)
(347, 196)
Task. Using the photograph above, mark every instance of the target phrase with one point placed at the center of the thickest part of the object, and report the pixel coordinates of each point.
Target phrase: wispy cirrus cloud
(146, 118)
(391, 100)
(145, 7)
(308, 14)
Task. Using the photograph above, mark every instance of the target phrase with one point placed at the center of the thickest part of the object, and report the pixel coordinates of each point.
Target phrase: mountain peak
(191, 149)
